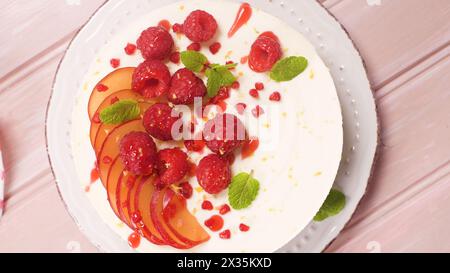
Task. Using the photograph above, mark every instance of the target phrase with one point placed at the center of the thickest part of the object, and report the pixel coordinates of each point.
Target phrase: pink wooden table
(406, 46)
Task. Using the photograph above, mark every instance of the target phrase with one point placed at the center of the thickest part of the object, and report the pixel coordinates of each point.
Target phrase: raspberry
(130, 49)
(215, 47)
(194, 47)
(265, 52)
(224, 134)
(138, 153)
(155, 43)
(275, 96)
(186, 190)
(185, 86)
(151, 78)
(158, 121)
(213, 174)
(172, 165)
(254, 93)
(175, 57)
(259, 86)
(200, 26)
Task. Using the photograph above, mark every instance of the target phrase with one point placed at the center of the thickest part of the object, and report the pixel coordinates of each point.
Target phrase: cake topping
(200, 26)
(207, 205)
(115, 63)
(275, 96)
(213, 174)
(265, 52)
(138, 153)
(155, 43)
(172, 165)
(226, 234)
(215, 223)
(243, 16)
(158, 121)
(151, 78)
(185, 86)
(224, 133)
(130, 49)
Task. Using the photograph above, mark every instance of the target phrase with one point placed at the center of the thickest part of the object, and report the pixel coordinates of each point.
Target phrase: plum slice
(180, 221)
(115, 174)
(110, 147)
(109, 100)
(119, 79)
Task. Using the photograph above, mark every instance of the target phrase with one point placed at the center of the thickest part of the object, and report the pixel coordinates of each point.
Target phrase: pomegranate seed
(215, 47)
(165, 25)
(236, 85)
(240, 107)
(207, 205)
(130, 49)
(257, 111)
(275, 96)
(254, 93)
(175, 57)
(102, 88)
(224, 209)
(96, 118)
(115, 63)
(194, 47)
(177, 28)
(244, 227)
(259, 86)
(226, 234)
(215, 223)
(136, 217)
(114, 100)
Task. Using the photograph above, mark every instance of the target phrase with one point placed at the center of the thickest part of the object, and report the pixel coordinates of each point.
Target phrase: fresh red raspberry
(175, 57)
(151, 78)
(138, 153)
(194, 47)
(200, 26)
(185, 86)
(265, 52)
(224, 133)
(186, 190)
(275, 96)
(215, 47)
(254, 93)
(158, 121)
(172, 165)
(155, 43)
(213, 174)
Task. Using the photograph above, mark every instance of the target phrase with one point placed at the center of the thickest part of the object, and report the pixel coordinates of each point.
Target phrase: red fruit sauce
(207, 205)
(134, 240)
(114, 100)
(136, 217)
(249, 148)
(215, 223)
(242, 17)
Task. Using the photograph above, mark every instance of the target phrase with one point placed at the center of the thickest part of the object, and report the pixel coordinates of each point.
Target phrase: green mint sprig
(243, 190)
(120, 112)
(218, 75)
(334, 204)
(288, 68)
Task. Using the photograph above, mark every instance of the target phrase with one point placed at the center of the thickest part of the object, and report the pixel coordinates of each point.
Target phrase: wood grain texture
(408, 64)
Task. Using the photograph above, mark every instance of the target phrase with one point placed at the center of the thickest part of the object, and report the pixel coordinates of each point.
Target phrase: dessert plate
(65, 137)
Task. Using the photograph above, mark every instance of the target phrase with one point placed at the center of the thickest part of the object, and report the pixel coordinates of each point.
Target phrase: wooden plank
(395, 35)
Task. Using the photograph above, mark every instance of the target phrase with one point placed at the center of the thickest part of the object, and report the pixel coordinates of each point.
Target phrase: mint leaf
(121, 111)
(243, 190)
(288, 68)
(193, 60)
(219, 76)
(334, 203)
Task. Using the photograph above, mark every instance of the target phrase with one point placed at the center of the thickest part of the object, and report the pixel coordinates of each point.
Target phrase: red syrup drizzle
(242, 17)
(94, 177)
(249, 148)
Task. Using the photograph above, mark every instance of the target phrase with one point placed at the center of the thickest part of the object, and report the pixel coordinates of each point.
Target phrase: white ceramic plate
(310, 20)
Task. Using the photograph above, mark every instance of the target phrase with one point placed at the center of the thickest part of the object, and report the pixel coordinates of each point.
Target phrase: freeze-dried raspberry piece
(200, 26)
(275, 96)
(138, 153)
(158, 121)
(224, 133)
(151, 78)
(213, 174)
(155, 43)
(185, 86)
(172, 165)
(265, 52)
